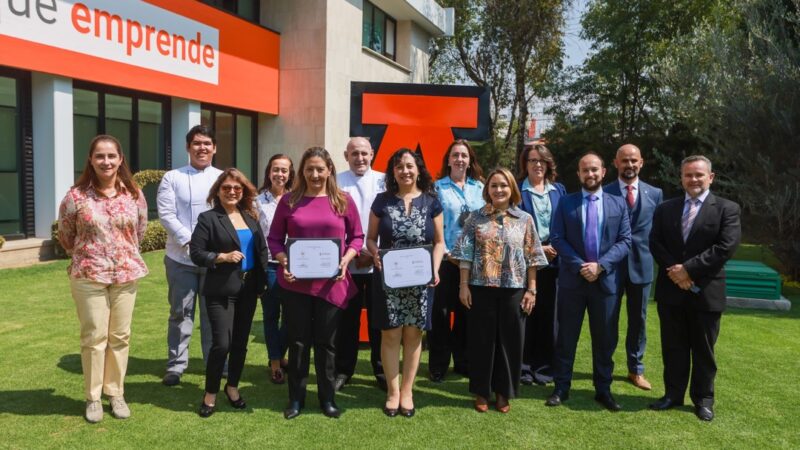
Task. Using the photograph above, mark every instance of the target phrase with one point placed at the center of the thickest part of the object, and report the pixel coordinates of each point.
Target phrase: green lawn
(41, 401)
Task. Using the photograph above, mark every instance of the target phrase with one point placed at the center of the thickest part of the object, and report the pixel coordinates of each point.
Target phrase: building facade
(270, 76)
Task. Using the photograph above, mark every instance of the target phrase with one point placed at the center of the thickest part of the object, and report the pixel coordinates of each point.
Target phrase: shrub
(2, 241)
(149, 176)
(155, 237)
(58, 250)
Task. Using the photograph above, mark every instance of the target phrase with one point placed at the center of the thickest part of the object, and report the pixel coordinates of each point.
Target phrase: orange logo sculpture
(425, 118)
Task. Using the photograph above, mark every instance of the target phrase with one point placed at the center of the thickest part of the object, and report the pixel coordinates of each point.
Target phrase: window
(10, 180)
(379, 31)
(236, 138)
(246, 9)
(134, 118)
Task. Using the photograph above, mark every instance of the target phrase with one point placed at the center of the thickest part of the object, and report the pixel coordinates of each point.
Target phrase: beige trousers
(104, 312)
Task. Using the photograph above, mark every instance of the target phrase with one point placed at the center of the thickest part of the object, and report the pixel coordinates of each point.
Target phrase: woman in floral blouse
(498, 252)
(101, 222)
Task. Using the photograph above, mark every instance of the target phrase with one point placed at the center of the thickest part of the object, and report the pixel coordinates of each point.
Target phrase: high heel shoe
(238, 403)
(481, 405)
(407, 412)
(502, 404)
(205, 410)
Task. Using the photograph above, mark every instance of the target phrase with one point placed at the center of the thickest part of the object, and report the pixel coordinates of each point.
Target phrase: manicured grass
(41, 400)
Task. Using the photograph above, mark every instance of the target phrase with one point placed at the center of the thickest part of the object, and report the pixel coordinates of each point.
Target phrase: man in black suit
(691, 240)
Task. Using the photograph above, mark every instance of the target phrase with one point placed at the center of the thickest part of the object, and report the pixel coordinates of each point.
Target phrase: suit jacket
(215, 234)
(639, 261)
(713, 239)
(566, 235)
(527, 205)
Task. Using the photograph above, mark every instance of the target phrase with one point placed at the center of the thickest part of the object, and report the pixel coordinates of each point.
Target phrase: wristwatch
(531, 291)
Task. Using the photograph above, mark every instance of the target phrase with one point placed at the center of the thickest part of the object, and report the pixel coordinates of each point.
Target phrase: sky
(575, 47)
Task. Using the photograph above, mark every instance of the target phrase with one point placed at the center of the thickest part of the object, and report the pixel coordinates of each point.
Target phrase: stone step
(25, 252)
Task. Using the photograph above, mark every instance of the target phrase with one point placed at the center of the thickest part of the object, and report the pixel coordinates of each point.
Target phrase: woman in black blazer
(230, 243)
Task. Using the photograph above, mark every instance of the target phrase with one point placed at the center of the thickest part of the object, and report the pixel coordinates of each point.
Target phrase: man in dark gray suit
(636, 271)
(692, 238)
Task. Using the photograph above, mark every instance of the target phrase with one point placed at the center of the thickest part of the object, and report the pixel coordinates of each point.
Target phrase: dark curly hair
(424, 180)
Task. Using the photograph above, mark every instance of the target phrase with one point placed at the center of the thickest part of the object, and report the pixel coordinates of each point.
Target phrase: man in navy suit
(592, 233)
(636, 271)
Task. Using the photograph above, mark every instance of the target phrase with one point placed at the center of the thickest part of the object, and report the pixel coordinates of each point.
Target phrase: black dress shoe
(664, 403)
(390, 412)
(292, 410)
(436, 377)
(171, 379)
(381, 380)
(556, 398)
(704, 413)
(239, 403)
(340, 381)
(205, 410)
(608, 402)
(329, 409)
(526, 379)
(407, 412)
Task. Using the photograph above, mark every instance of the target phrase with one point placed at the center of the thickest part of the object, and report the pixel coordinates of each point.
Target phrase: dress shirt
(623, 189)
(498, 247)
(104, 234)
(182, 196)
(363, 189)
(600, 218)
(541, 207)
(454, 200)
(686, 204)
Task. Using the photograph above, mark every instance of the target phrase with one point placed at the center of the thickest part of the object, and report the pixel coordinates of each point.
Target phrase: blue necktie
(590, 235)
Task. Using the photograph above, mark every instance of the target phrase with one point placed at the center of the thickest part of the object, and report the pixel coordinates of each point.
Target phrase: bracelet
(531, 291)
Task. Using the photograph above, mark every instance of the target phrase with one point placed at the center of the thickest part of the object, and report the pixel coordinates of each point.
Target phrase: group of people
(516, 263)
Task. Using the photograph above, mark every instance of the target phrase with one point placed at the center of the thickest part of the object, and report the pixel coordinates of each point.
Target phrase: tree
(511, 46)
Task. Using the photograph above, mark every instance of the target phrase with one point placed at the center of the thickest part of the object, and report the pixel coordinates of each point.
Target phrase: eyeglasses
(537, 161)
(228, 187)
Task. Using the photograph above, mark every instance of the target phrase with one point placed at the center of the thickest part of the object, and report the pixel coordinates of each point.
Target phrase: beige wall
(321, 54)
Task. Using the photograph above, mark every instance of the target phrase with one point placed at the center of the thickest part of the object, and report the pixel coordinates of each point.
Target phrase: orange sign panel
(179, 48)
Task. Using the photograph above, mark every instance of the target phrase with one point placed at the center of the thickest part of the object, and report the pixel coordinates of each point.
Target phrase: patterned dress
(398, 228)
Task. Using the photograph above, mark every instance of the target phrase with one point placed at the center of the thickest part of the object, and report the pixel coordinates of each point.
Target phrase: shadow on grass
(39, 402)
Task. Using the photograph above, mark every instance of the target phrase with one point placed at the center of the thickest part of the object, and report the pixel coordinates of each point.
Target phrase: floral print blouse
(498, 247)
(104, 234)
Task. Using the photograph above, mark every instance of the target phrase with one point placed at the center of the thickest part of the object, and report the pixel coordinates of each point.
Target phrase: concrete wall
(301, 109)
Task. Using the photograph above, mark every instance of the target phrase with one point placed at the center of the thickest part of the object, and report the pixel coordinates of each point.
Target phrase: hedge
(2, 241)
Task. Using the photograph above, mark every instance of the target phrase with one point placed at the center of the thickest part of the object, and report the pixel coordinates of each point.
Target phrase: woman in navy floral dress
(408, 214)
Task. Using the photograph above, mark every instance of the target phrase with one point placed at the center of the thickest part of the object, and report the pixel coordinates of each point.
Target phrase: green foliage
(2, 241)
(155, 237)
(58, 250)
(510, 47)
(149, 176)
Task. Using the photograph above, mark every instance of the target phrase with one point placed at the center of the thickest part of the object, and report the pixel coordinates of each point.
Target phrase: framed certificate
(314, 258)
(407, 267)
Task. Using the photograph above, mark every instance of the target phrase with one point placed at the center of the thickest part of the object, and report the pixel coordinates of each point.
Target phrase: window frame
(387, 18)
(24, 151)
(214, 109)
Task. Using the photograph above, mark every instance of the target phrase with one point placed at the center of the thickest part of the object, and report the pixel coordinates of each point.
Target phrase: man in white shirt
(363, 184)
(181, 197)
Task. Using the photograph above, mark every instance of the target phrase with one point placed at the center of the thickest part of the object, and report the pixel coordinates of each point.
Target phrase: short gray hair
(695, 158)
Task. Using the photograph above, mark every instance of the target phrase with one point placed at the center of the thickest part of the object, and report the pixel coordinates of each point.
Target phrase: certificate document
(406, 267)
(314, 258)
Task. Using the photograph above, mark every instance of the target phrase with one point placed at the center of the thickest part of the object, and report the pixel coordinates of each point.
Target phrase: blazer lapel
(228, 226)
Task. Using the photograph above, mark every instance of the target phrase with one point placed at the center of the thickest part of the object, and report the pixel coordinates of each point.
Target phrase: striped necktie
(688, 218)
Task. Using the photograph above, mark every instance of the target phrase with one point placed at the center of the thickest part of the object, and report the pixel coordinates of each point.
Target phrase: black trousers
(230, 318)
(540, 328)
(442, 341)
(310, 321)
(497, 330)
(347, 337)
(687, 346)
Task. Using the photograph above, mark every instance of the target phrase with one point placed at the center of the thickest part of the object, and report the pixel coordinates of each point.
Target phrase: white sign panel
(127, 31)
